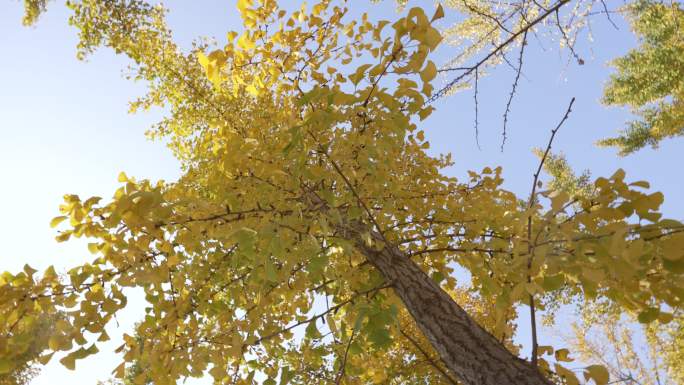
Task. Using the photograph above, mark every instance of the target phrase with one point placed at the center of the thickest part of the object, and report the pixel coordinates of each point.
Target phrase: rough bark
(469, 351)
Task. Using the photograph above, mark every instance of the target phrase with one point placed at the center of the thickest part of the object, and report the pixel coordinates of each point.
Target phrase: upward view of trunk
(469, 351)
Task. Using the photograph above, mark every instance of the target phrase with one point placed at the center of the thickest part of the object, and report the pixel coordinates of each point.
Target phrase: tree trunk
(469, 351)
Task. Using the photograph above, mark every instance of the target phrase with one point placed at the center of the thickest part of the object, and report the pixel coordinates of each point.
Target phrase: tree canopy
(649, 79)
(311, 238)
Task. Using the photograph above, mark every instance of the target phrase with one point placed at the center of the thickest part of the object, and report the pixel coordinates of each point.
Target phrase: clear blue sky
(64, 129)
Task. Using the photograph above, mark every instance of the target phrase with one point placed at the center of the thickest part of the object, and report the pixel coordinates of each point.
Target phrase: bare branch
(469, 70)
(605, 9)
(530, 246)
(343, 365)
(515, 85)
(567, 40)
(477, 125)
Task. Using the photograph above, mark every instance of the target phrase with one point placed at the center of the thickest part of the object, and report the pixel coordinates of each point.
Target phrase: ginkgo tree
(311, 238)
(649, 78)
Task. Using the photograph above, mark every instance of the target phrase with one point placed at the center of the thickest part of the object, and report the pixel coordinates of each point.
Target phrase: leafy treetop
(650, 78)
(301, 151)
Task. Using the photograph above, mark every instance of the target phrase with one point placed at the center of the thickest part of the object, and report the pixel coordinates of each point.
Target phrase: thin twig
(477, 124)
(530, 247)
(605, 8)
(343, 366)
(548, 148)
(485, 15)
(570, 45)
(515, 86)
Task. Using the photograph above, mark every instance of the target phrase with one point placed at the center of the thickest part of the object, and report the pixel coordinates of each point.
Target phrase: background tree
(645, 354)
(649, 79)
(35, 333)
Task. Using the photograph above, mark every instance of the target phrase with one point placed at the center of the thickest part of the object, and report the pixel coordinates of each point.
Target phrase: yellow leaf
(317, 9)
(63, 237)
(50, 272)
(173, 260)
(593, 275)
(665, 317)
(425, 112)
(570, 378)
(93, 248)
(29, 270)
(204, 62)
(359, 73)
(432, 38)
(673, 247)
(6, 365)
(54, 343)
(245, 42)
(598, 373)
(69, 362)
(439, 13)
(57, 220)
(429, 72)
(242, 5)
(641, 183)
(252, 90)
(44, 359)
(544, 349)
(563, 355)
(103, 337)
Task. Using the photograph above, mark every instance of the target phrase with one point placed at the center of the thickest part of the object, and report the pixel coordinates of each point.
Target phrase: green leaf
(676, 267)
(271, 272)
(649, 315)
(380, 338)
(553, 282)
(437, 276)
(6, 366)
(355, 348)
(317, 263)
(312, 331)
(286, 375)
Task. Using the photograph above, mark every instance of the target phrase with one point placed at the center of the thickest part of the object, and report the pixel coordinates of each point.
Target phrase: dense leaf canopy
(649, 79)
(302, 148)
